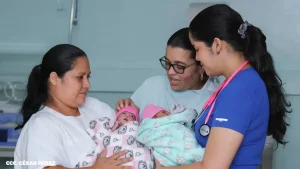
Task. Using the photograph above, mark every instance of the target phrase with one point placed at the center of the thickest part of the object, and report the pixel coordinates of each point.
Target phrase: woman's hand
(158, 165)
(125, 102)
(112, 162)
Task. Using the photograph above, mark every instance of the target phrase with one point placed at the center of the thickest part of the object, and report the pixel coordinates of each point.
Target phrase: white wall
(125, 39)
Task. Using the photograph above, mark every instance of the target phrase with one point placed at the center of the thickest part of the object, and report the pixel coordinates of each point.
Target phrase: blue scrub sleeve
(234, 108)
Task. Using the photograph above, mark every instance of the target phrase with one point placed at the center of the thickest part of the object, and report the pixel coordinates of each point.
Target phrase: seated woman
(57, 113)
(185, 82)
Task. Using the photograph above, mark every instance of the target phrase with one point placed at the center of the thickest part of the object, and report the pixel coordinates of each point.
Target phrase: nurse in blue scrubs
(249, 104)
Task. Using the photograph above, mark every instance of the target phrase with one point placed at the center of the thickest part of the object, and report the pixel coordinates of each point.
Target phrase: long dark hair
(223, 22)
(59, 59)
(180, 39)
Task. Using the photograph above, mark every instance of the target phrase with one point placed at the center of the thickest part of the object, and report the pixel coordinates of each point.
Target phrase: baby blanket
(123, 138)
(171, 138)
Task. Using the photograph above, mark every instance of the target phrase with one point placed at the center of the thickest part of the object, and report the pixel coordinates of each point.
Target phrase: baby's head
(152, 111)
(127, 114)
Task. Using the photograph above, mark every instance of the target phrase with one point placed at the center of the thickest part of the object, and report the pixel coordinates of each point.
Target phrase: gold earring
(201, 77)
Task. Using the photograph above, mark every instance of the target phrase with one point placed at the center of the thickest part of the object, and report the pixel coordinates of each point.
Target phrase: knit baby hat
(151, 110)
(131, 110)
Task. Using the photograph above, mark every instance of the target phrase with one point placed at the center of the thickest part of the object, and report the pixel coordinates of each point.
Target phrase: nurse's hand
(125, 102)
(112, 162)
(158, 165)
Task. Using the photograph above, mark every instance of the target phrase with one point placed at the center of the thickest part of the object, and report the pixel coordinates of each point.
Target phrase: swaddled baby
(170, 135)
(122, 136)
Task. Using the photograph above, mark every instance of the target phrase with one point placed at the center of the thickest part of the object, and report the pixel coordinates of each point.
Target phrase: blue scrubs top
(243, 106)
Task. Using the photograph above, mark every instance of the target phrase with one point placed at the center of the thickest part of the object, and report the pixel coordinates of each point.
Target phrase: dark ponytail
(223, 22)
(258, 56)
(58, 59)
(36, 94)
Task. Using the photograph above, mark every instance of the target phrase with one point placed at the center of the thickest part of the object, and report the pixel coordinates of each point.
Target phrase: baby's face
(126, 117)
(161, 114)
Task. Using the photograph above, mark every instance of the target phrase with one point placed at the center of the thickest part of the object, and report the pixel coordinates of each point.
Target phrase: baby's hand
(177, 108)
(116, 125)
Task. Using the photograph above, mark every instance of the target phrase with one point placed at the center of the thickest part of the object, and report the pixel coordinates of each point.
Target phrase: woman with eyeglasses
(185, 82)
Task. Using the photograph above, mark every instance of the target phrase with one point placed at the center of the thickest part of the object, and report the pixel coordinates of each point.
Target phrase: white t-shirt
(157, 90)
(52, 136)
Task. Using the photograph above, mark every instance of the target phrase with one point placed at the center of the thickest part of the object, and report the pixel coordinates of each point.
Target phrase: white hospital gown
(51, 136)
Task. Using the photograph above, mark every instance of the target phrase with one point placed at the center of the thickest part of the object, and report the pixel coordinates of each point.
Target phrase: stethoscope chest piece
(204, 130)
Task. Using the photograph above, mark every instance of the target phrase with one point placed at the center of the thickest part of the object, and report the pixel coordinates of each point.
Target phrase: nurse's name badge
(204, 130)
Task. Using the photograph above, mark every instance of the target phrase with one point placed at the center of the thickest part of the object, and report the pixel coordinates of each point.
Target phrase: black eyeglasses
(176, 67)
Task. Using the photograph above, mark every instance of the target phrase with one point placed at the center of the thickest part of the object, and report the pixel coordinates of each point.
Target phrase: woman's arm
(222, 145)
(139, 94)
(112, 162)
(220, 151)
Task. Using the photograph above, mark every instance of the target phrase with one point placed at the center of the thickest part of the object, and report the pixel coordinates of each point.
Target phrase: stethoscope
(204, 130)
